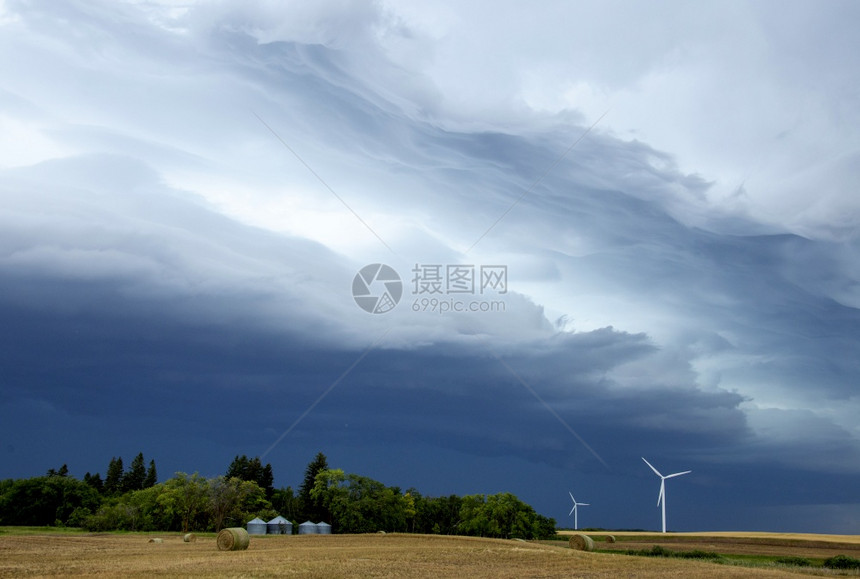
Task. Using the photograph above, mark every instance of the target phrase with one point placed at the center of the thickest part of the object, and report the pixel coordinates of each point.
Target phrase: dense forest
(132, 499)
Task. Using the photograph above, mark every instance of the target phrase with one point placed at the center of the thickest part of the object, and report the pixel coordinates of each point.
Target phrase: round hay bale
(610, 538)
(156, 540)
(189, 538)
(233, 539)
(581, 543)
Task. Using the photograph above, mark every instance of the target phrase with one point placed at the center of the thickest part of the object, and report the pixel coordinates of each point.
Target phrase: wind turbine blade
(678, 474)
(657, 472)
(662, 491)
(571, 497)
(571, 510)
(583, 504)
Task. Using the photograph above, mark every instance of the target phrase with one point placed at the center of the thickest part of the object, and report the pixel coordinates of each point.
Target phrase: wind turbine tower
(574, 511)
(661, 499)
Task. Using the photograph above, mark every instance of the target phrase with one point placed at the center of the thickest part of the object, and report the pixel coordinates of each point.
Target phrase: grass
(658, 551)
(787, 539)
(722, 558)
(793, 561)
(836, 565)
(801, 554)
(40, 530)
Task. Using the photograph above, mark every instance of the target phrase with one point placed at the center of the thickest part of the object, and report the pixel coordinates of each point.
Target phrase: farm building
(279, 526)
(257, 526)
(308, 528)
(323, 529)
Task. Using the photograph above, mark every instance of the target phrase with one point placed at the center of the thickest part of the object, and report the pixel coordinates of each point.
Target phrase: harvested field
(390, 555)
(774, 544)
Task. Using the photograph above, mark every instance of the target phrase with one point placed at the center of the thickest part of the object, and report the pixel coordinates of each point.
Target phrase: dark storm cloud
(144, 363)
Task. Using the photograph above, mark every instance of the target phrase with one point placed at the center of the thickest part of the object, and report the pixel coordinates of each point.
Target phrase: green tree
(62, 471)
(248, 469)
(114, 476)
(187, 496)
(227, 496)
(310, 509)
(253, 503)
(502, 515)
(95, 481)
(410, 510)
(114, 516)
(287, 504)
(238, 467)
(475, 519)
(331, 493)
(135, 477)
(183, 503)
(437, 515)
(47, 500)
(151, 476)
(151, 512)
(267, 481)
(358, 504)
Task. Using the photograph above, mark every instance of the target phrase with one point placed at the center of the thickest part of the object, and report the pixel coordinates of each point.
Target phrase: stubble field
(392, 555)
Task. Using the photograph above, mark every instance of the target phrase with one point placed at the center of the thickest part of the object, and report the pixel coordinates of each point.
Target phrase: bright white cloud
(725, 88)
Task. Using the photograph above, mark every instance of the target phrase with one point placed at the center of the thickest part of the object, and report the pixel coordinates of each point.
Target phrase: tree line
(134, 500)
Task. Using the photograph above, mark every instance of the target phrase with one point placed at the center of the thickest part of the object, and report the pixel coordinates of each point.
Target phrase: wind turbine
(573, 511)
(662, 498)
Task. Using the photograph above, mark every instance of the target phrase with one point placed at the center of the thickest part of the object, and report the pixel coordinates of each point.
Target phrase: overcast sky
(188, 191)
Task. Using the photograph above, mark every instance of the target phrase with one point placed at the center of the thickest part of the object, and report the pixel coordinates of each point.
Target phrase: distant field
(842, 539)
(392, 555)
(775, 544)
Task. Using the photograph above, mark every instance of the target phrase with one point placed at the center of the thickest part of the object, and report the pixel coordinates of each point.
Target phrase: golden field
(392, 555)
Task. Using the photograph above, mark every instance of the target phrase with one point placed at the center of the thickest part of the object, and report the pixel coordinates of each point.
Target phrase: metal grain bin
(308, 528)
(279, 526)
(323, 528)
(256, 527)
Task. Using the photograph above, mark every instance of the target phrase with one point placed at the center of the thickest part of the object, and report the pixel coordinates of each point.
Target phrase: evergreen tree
(312, 511)
(252, 470)
(63, 471)
(267, 481)
(114, 476)
(133, 480)
(95, 481)
(151, 476)
(238, 467)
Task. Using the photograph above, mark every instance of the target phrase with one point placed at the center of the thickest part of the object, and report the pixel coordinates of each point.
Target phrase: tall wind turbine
(574, 511)
(662, 498)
